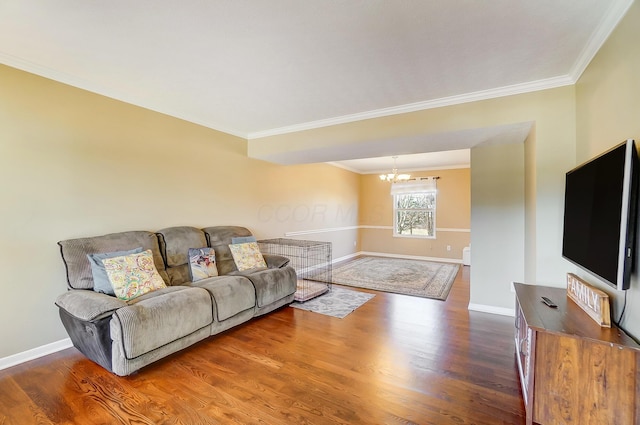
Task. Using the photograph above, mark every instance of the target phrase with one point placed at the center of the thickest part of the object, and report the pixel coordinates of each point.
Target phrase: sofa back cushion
(74, 254)
(219, 238)
(175, 243)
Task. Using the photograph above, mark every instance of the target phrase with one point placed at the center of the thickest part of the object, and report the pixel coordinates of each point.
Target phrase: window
(415, 214)
(414, 208)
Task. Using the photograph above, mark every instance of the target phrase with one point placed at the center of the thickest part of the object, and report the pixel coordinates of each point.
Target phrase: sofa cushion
(74, 254)
(219, 238)
(247, 256)
(231, 294)
(133, 275)
(202, 263)
(101, 281)
(159, 320)
(88, 305)
(175, 243)
(154, 294)
(272, 284)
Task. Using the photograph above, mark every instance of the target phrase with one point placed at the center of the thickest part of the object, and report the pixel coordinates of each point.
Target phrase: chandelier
(394, 177)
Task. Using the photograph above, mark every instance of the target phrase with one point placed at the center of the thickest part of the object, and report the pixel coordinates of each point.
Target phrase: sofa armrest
(88, 305)
(275, 261)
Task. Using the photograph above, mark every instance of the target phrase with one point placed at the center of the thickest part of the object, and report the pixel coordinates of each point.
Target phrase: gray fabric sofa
(124, 336)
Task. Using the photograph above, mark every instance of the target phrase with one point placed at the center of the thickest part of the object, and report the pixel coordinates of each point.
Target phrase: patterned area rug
(338, 302)
(409, 277)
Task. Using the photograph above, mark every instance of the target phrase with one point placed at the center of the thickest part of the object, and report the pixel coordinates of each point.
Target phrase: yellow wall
(608, 112)
(452, 217)
(75, 164)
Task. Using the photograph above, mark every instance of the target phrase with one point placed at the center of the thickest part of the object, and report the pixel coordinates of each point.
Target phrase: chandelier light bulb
(394, 177)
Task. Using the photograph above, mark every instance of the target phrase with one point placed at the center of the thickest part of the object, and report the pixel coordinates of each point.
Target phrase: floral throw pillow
(202, 263)
(133, 275)
(100, 279)
(247, 256)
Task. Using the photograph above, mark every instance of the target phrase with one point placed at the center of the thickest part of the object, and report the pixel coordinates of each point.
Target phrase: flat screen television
(600, 215)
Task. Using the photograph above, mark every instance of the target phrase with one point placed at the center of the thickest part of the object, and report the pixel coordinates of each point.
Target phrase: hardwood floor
(395, 360)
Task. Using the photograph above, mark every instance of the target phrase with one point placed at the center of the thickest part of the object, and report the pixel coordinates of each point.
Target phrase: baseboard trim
(412, 257)
(502, 311)
(345, 257)
(35, 353)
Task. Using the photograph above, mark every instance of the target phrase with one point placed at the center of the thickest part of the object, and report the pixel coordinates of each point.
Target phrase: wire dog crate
(311, 261)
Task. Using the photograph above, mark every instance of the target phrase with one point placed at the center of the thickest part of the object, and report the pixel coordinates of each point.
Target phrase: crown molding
(596, 41)
(599, 36)
(93, 87)
(548, 83)
(75, 81)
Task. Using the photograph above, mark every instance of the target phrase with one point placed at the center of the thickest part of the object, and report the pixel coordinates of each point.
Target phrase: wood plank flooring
(395, 360)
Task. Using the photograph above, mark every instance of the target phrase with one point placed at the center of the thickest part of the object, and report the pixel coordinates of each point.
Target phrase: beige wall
(530, 242)
(76, 164)
(452, 217)
(498, 222)
(608, 112)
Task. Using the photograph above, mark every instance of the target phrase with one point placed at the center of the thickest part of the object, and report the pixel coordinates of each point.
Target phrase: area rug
(425, 279)
(338, 302)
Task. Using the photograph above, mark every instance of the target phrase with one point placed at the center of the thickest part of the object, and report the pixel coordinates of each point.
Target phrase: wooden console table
(573, 371)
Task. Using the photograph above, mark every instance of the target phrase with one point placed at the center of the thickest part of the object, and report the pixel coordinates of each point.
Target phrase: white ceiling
(255, 68)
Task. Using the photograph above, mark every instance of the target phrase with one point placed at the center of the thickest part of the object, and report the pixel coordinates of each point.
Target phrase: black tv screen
(600, 215)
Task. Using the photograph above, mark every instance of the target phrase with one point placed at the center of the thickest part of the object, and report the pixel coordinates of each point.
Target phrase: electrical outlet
(448, 247)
